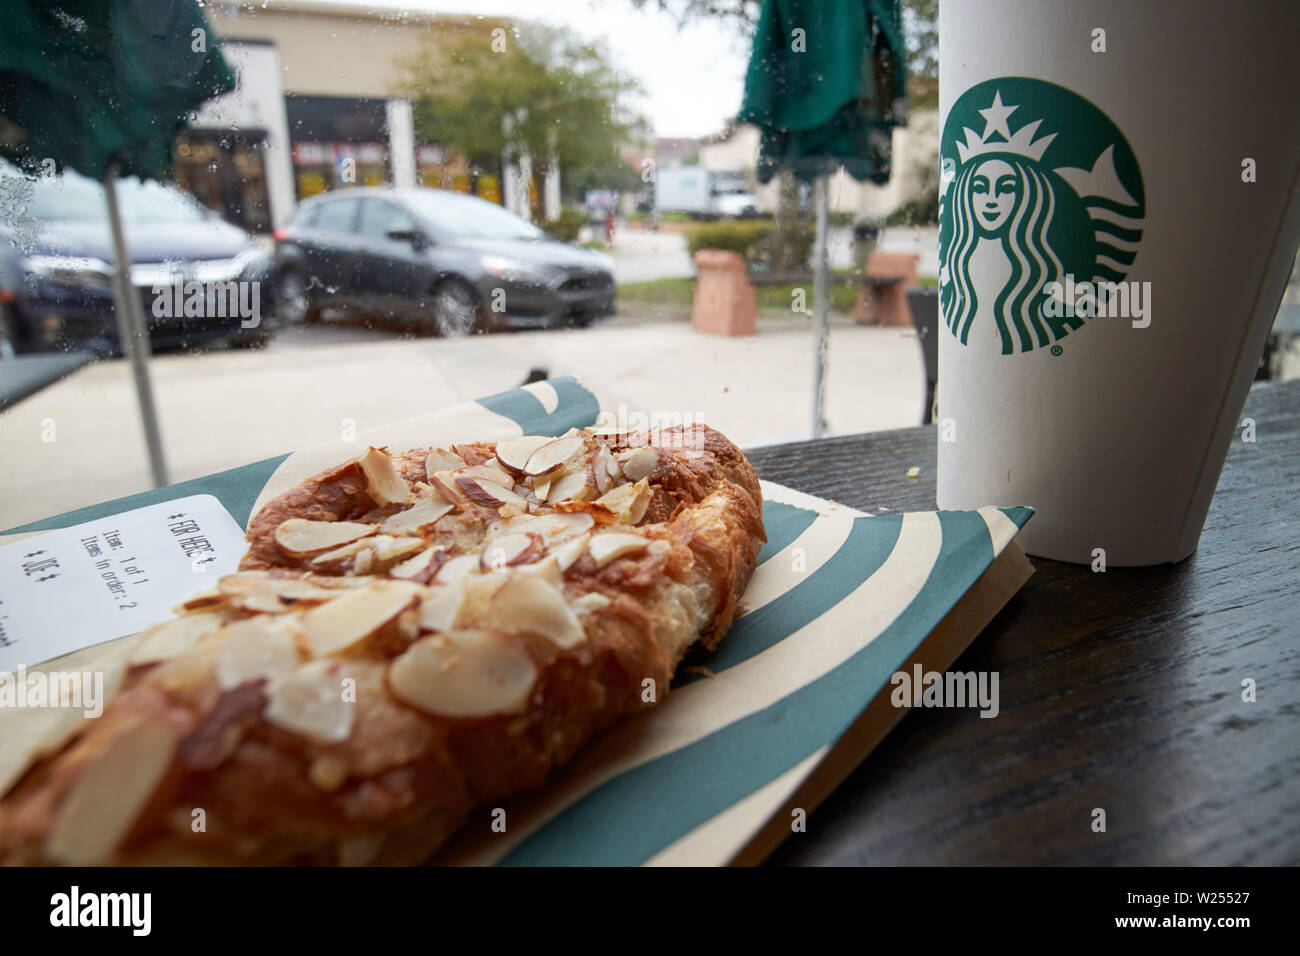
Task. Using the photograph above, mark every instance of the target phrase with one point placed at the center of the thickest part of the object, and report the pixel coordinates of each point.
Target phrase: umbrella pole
(820, 308)
(132, 333)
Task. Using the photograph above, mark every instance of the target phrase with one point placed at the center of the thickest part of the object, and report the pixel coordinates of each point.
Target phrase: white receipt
(64, 590)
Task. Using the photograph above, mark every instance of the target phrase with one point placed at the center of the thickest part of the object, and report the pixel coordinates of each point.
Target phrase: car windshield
(71, 196)
(469, 217)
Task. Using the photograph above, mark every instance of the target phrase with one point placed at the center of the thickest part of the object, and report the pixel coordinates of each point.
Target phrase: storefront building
(318, 107)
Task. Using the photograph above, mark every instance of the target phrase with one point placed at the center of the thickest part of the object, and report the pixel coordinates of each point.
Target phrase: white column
(401, 142)
(277, 156)
(524, 173)
(551, 185)
(258, 103)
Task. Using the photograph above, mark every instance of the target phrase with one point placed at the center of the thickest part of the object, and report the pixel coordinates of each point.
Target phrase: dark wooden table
(1121, 690)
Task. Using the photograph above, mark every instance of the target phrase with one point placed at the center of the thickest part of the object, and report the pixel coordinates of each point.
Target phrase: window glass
(379, 218)
(306, 215)
(337, 215)
(469, 216)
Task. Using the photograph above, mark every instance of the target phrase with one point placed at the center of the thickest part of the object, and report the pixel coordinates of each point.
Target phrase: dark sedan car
(199, 278)
(439, 260)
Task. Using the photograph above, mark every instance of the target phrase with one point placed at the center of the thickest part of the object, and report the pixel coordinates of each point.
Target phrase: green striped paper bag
(752, 736)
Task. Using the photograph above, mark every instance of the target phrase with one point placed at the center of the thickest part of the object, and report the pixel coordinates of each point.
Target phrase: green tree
(536, 90)
(921, 26)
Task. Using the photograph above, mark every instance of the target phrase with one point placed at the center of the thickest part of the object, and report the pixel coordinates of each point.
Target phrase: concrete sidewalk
(79, 441)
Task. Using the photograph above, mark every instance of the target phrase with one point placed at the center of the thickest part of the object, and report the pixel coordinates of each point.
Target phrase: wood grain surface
(1119, 690)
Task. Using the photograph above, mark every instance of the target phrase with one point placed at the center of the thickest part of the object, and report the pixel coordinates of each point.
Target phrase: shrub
(566, 226)
(744, 237)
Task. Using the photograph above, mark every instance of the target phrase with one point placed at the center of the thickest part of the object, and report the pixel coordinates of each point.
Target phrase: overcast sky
(693, 76)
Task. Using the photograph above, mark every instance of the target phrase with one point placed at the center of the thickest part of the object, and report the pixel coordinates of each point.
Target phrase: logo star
(995, 117)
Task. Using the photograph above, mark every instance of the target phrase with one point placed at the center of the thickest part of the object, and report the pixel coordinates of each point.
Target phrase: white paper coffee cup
(1151, 147)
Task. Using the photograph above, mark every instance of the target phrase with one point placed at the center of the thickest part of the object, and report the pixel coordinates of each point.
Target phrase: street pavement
(79, 442)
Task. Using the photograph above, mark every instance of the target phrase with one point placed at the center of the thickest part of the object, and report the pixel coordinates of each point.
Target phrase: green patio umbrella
(103, 87)
(825, 87)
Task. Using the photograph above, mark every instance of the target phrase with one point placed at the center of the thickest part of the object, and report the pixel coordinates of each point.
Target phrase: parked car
(439, 260)
(57, 273)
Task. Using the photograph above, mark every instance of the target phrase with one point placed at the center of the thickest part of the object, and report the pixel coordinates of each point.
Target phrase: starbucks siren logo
(1039, 217)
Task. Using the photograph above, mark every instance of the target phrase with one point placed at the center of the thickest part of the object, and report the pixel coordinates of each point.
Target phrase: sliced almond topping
(547, 568)
(414, 567)
(349, 619)
(383, 483)
(348, 550)
(262, 602)
(439, 607)
(493, 472)
(309, 701)
(541, 487)
(390, 549)
(576, 485)
(605, 548)
(107, 798)
(510, 549)
(259, 585)
(439, 459)
(380, 547)
(208, 598)
(592, 601)
(601, 467)
(513, 454)
(258, 647)
(418, 517)
(298, 589)
(638, 463)
(571, 551)
(444, 485)
(554, 455)
(599, 513)
(455, 569)
(464, 674)
(490, 494)
(172, 638)
(299, 536)
(628, 501)
(531, 604)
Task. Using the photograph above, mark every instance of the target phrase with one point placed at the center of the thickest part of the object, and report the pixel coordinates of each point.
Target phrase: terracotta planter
(724, 302)
(882, 293)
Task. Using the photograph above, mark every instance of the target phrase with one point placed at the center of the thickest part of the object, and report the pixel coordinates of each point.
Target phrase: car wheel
(294, 301)
(456, 309)
(8, 333)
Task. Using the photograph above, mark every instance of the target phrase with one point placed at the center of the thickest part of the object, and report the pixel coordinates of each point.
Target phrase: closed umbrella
(103, 88)
(825, 86)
